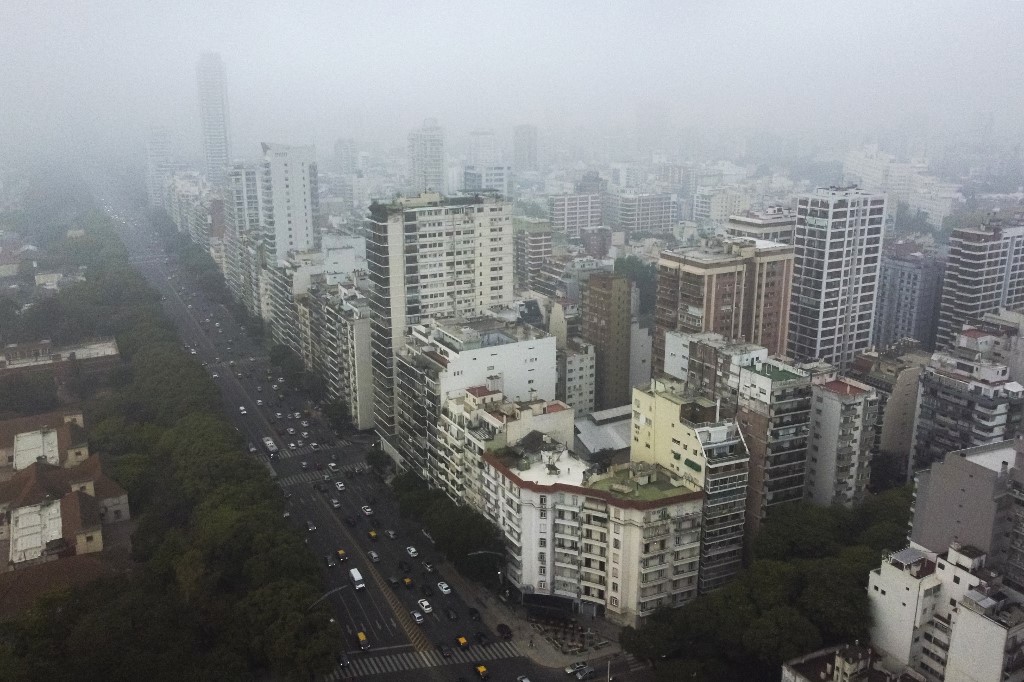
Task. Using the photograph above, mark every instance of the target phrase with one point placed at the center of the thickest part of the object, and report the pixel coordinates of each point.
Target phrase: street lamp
(327, 594)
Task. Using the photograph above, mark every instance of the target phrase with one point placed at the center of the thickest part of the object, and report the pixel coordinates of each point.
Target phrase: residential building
(161, 164)
(213, 116)
(909, 294)
(687, 438)
(773, 224)
(841, 442)
(984, 272)
(532, 246)
(68, 426)
(570, 214)
(965, 399)
(577, 368)
(1007, 326)
(606, 323)
(734, 286)
(604, 436)
(713, 206)
(590, 182)
(562, 277)
(838, 241)
(894, 373)
(632, 211)
(426, 158)
(596, 241)
(641, 346)
(710, 363)
(946, 616)
(845, 663)
(442, 358)
(876, 171)
(431, 256)
(85, 359)
(483, 148)
(524, 148)
(346, 156)
(490, 178)
(290, 198)
(243, 235)
(48, 511)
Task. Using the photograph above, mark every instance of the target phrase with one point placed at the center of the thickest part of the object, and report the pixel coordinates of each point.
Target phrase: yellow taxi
(481, 671)
(342, 556)
(462, 642)
(372, 534)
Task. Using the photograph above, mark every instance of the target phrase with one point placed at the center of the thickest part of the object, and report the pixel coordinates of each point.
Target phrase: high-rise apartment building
(562, 277)
(984, 272)
(483, 148)
(841, 442)
(431, 256)
(838, 242)
(966, 398)
(524, 148)
(426, 158)
(346, 156)
(632, 211)
(737, 287)
(606, 323)
(160, 164)
(532, 247)
(773, 224)
(577, 374)
(213, 116)
(243, 235)
(290, 200)
(570, 214)
(489, 178)
(909, 293)
(713, 206)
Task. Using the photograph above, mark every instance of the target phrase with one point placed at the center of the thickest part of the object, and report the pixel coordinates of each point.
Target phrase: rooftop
(775, 372)
(843, 387)
(34, 446)
(992, 456)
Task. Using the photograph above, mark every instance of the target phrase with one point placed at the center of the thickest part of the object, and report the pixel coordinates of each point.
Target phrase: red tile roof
(479, 391)
(78, 512)
(843, 388)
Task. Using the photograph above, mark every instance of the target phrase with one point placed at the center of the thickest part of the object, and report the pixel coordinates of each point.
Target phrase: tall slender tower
(289, 198)
(524, 148)
(838, 243)
(213, 114)
(605, 309)
(426, 158)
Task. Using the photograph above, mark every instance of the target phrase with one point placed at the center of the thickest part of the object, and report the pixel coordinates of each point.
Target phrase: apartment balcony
(593, 579)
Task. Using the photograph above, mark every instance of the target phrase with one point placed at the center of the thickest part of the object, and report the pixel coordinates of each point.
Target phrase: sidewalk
(494, 611)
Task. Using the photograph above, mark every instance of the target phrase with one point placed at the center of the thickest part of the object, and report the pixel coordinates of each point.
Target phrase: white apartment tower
(290, 200)
(432, 257)
(213, 115)
(243, 235)
(426, 158)
(838, 241)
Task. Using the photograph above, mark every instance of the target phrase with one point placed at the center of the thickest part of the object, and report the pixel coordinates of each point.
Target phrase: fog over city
(96, 74)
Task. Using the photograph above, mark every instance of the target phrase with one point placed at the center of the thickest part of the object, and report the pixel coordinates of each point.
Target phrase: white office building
(290, 200)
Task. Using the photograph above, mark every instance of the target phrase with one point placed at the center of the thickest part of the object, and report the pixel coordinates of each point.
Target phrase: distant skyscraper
(426, 158)
(290, 200)
(524, 148)
(984, 272)
(909, 293)
(346, 158)
(838, 242)
(160, 164)
(483, 148)
(213, 114)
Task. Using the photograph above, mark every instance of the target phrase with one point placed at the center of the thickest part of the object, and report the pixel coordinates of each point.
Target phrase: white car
(417, 617)
(374, 557)
(367, 510)
(425, 605)
(339, 485)
(443, 587)
(411, 551)
(259, 403)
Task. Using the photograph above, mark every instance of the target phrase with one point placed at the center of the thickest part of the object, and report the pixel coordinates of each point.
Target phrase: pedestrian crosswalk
(379, 665)
(313, 476)
(306, 450)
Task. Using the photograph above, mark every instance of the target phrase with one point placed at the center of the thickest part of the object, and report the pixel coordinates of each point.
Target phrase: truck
(357, 579)
(270, 445)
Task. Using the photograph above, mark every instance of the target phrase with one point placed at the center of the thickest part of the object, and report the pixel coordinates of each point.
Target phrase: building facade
(909, 294)
(773, 224)
(838, 239)
(606, 324)
(532, 247)
(577, 376)
(572, 213)
(631, 211)
(426, 158)
(524, 148)
(213, 116)
(290, 198)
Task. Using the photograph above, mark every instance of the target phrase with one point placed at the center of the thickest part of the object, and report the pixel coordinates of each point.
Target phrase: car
(427, 590)
(339, 485)
(446, 651)
(411, 551)
(304, 465)
(425, 605)
(290, 431)
(428, 567)
(443, 586)
(474, 614)
(326, 477)
(372, 534)
(259, 403)
(259, 389)
(390, 534)
(280, 380)
(481, 638)
(250, 359)
(481, 671)
(278, 415)
(462, 642)
(274, 387)
(367, 510)
(451, 614)
(287, 514)
(252, 447)
(342, 555)
(305, 424)
(504, 630)
(304, 434)
(335, 504)
(310, 526)
(374, 557)
(241, 410)
(314, 446)
(572, 668)
(215, 375)
(291, 446)
(300, 442)
(522, 678)
(343, 660)
(331, 561)
(332, 467)
(407, 581)
(393, 581)
(417, 617)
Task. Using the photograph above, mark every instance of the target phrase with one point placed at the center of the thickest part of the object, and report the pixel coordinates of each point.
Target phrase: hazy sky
(81, 72)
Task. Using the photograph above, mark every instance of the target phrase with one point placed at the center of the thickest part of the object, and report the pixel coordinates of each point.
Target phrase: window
(543, 542)
(956, 579)
(88, 538)
(542, 584)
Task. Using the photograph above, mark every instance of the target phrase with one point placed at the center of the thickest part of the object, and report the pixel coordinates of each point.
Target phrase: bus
(357, 579)
(270, 445)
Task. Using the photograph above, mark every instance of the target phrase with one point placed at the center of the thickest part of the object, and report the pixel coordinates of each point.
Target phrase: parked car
(411, 551)
(572, 668)
(443, 587)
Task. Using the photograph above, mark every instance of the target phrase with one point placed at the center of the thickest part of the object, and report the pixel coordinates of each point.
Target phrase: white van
(357, 579)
